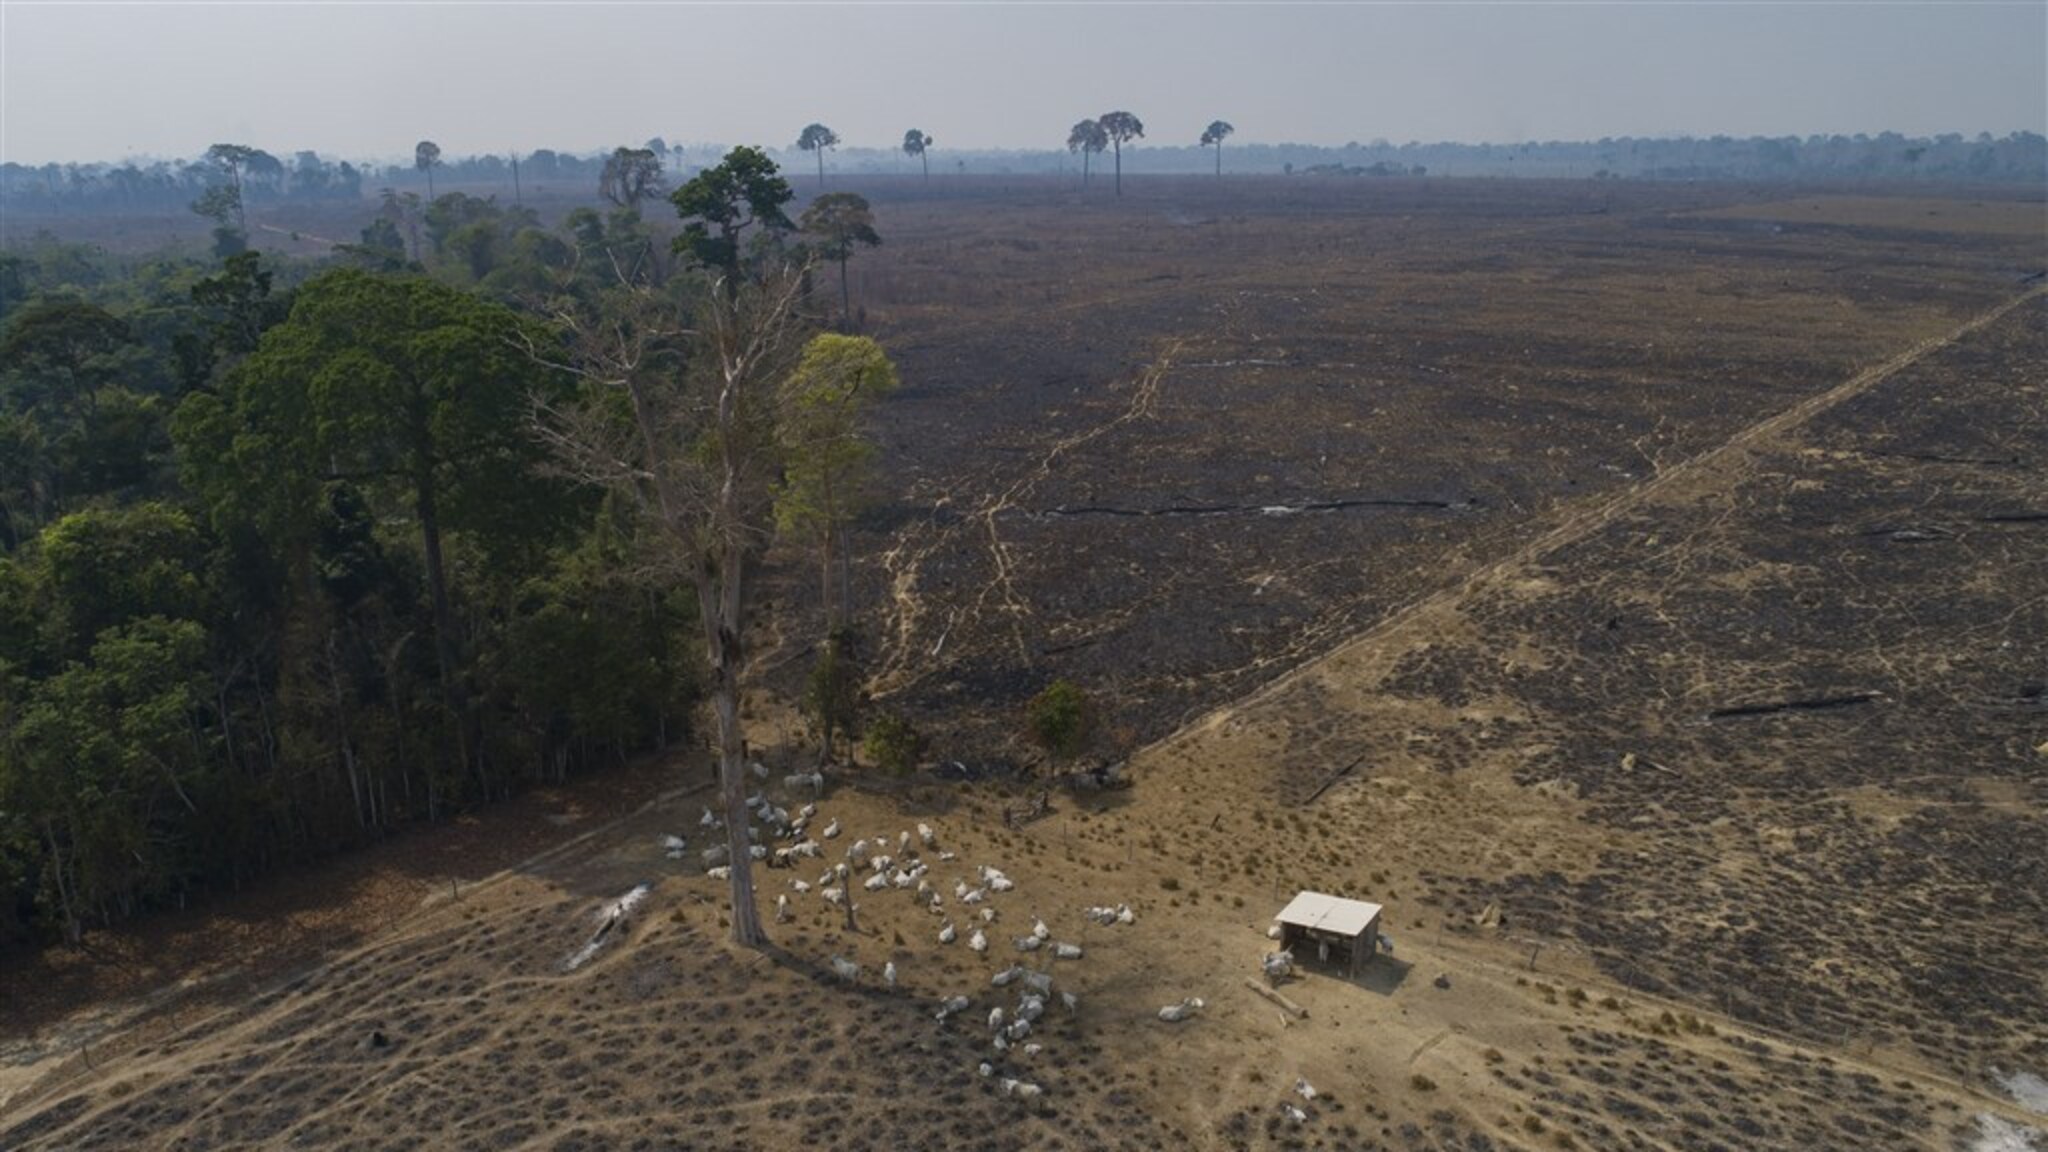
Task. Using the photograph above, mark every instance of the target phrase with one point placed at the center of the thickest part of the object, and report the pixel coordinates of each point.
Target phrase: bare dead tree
(679, 416)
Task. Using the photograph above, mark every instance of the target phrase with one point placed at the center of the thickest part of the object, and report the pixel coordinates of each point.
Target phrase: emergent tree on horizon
(1212, 137)
(1120, 127)
(1087, 138)
(817, 138)
(426, 156)
(222, 203)
(916, 143)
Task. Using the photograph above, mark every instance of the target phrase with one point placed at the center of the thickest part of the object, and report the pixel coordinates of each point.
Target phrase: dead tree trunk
(719, 599)
(704, 472)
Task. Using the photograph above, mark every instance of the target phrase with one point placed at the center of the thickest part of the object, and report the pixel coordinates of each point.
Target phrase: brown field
(1642, 591)
(2019, 219)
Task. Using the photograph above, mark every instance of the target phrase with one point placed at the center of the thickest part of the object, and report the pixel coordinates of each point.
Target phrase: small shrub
(1061, 719)
(1421, 1083)
(894, 744)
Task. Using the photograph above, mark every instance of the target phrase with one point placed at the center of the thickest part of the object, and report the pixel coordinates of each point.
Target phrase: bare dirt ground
(1688, 719)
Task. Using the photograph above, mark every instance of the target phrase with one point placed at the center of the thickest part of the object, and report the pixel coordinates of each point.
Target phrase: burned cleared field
(1765, 739)
(1172, 446)
(1642, 592)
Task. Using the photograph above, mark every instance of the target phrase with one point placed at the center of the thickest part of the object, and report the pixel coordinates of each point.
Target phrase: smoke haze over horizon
(86, 81)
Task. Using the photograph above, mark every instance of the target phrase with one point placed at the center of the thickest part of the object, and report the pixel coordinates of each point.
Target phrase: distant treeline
(165, 186)
(170, 186)
(2021, 157)
(281, 564)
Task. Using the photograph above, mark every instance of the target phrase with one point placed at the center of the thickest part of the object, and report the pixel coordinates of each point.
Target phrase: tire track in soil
(1579, 526)
(1423, 1048)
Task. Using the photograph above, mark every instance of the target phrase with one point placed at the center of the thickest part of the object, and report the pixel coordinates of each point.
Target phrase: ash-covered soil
(1872, 866)
(1171, 446)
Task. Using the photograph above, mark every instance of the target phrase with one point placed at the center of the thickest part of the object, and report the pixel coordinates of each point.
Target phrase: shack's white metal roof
(1329, 913)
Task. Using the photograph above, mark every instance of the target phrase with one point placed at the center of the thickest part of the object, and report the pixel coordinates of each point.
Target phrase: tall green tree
(105, 567)
(1088, 139)
(236, 306)
(102, 757)
(1121, 128)
(739, 200)
(1212, 137)
(838, 222)
(102, 744)
(469, 235)
(817, 138)
(63, 348)
(73, 421)
(827, 478)
(412, 391)
(916, 143)
(828, 457)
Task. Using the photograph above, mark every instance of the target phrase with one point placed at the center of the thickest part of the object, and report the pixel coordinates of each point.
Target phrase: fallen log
(1975, 461)
(1341, 773)
(1812, 704)
(1285, 1004)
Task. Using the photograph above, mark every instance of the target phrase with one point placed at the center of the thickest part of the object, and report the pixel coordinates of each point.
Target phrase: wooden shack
(1331, 928)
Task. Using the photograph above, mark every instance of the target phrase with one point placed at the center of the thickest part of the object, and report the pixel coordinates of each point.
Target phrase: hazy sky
(82, 81)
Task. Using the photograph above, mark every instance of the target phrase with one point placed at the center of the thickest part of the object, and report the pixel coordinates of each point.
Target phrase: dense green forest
(284, 561)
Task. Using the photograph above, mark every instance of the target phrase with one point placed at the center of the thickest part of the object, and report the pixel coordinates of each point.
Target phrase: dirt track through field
(903, 562)
(1586, 523)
